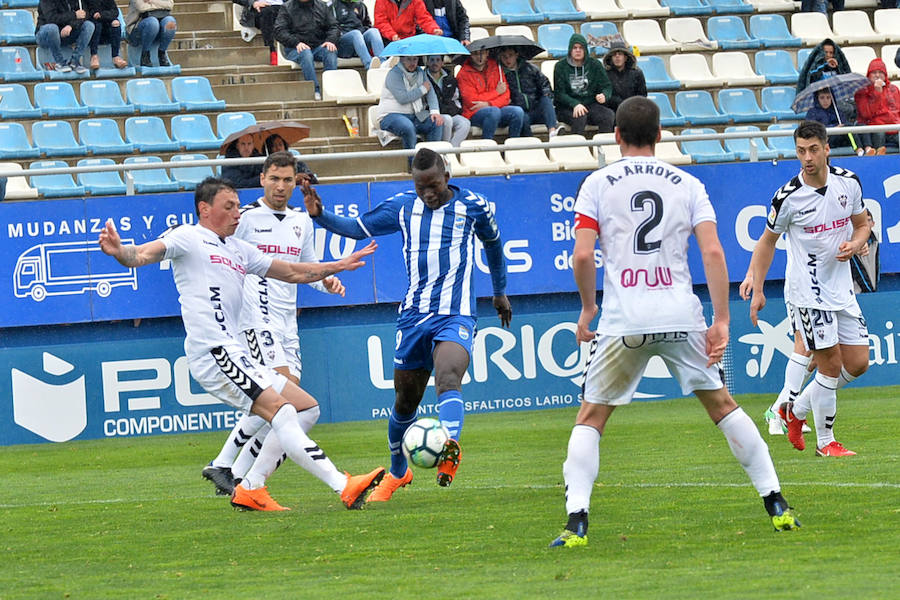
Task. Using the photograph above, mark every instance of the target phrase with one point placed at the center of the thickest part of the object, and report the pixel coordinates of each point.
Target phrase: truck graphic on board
(63, 268)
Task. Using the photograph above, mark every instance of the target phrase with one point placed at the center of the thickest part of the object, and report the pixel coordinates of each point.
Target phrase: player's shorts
(822, 329)
(229, 374)
(272, 350)
(417, 334)
(616, 363)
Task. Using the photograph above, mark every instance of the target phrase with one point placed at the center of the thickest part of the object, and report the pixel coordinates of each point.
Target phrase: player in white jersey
(209, 266)
(644, 211)
(269, 325)
(821, 211)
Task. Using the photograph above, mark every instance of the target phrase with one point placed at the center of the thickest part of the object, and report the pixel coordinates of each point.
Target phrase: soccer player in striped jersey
(643, 212)
(209, 266)
(436, 326)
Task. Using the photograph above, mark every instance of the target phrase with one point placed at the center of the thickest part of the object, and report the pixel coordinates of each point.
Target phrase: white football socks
(581, 467)
(269, 454)
(751, 451)
(820, 396)
(248, 455)
(246, 428)
(795, 374)
(302, 450)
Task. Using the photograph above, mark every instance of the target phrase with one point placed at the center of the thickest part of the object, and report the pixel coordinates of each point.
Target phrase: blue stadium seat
(43, 58)
(22, 3)
(740, 104)
(783, 145)
(57, 99)
(772, 31)
(516, 11)
(729, 32)
(193, 132)
(686, 8)
(705, 151)
(195, 93)
(558, 10)
(16, 27)
(667, 115)
(189, 177)
(148, 181)
(778, 101)
(598, 29)
(148, 134)
(741, 146)
(101, 136)
(104, 98)
(14, 142)
(697, 107)
(555, 38)
(149, 95)
(731, 7)
(16, 65)
(15, 103)
(655, 74)
(60, 185)
(802, 57)
(56, 138)
(228, 123)
(777, 66)
(103, 183)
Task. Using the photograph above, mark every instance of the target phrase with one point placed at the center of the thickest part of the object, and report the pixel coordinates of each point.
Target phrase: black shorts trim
(233, 372)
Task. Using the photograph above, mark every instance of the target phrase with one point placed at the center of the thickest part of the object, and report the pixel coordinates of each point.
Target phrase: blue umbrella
(424, 44)
(842, 86)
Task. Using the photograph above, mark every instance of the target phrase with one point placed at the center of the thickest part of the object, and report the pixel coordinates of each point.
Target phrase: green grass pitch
(672, 516)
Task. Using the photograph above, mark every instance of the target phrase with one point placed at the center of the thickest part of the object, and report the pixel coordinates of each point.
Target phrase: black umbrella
(526, 48)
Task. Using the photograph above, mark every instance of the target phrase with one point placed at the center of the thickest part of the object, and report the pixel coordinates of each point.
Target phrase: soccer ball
(423, 442)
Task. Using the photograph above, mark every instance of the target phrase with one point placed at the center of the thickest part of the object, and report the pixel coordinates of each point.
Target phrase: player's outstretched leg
(389, 485)
(400, 474)
(219, 471)
(580, 472)
(451, 413)
(256, 499)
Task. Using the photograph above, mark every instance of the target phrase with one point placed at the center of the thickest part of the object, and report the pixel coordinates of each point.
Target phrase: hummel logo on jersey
(213, 244)
(807, 211)
(262, 230)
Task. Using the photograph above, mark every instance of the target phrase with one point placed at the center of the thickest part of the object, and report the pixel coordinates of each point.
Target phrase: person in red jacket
(485, 96)
(878, 104)
(397, 19)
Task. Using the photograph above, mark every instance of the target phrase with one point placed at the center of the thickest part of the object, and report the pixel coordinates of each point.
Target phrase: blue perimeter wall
(94, 378)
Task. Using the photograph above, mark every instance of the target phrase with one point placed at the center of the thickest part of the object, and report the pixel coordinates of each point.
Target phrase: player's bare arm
(717, 282)
(859, 239)
(130, 255)
(586, 279)
(763, 253)
(308, 272)
(504, 310)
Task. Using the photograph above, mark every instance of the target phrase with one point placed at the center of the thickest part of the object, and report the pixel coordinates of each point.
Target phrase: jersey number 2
(640, 202)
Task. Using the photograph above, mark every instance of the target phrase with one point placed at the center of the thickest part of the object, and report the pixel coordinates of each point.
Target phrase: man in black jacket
(64, 22)
(451, 17)
(626, 78)
(530, 89)
(358, 37)
(456, 126)
(309, 33)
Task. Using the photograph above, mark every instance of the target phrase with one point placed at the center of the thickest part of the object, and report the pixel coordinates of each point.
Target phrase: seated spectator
(581, 89)
(626, 77)
(877, 104)
(825, 60)
(262, 14)
(150, 22)
(2, 189)
(64, 22)
(242, 176)
(451, 17)
(530, 89)
(865, 267)
(107, 29)
(358, 37)
(485, 96)
(409, 105)
(276, 143)
(309, 33)
(456, 126)
(825, 112)
(398, 19)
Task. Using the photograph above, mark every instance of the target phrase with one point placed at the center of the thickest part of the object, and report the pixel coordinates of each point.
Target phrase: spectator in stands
(358, 37)
(451, 17)
(409, 105)
(2, 189)
(107, 29)
(530, 89)
(582, 89)
(626, 77)
(824, 111)
(262, 14)
(64, 22)
(865, 267)
(825, 60)
(485, 96)
(242, 176)
(456, 127)
(276, 143)
(398, 19)
(149, 23)
(877, 104)
(309, 33)
(820, 5)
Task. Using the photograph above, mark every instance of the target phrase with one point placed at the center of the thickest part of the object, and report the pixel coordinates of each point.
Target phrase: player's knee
(857, 367)
(445, 382)
(405, 406)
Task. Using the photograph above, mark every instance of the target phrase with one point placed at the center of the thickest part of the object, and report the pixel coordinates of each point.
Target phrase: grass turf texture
(673, 515)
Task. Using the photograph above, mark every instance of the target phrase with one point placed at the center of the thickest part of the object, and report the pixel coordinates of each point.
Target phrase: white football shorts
(272, 350)
(822, 329)
(231, 375)
(616, 363)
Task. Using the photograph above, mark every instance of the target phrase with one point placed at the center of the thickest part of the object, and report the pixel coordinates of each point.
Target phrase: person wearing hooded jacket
(825, 60)
(878, 104)
(530, 89)
(485, 96)
(825, 112)
(581, 89)
(626, 77)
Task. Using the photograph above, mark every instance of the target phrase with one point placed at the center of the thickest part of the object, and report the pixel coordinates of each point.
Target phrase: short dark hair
(280, 159)
(426, 158)
(811, 129)
(208, 188)
(638, 121)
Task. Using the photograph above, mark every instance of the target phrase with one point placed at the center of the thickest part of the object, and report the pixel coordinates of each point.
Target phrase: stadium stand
(15, 103)
(59, 185)
(17, 187)
(149, 181)
(704, 151)
(529, 161)
(602, 9)
(101, 136)
(778, 101)
(375, 81)
(812, 28)
(485, 162)
(16, 65)
(683, 8)
(56, 138)
(101, 183)
(479, 13)
(194, 132)
(772, 31)
(740, 147)
(195, 93)
(784, 145)
(345, 86)
(523, 30)
(646, 35)
(149, 95)
(576, 158)
(558, 10)
(853, 27)
(478, 33)
(692, 71)
(785, 6)
(457, 169)
(641, 9)
(57, 99)
(14, 142)
(698, 108)
(731, 7)
(104, 98)
(740, 104)
(187, 178)
(516, 11)
(735, 69)
(888, 52)
(21, 3)
(667, 115)
(729, 33)
(547, 67)
(887, 22)
(148, 134)
(859, 58)
(598, 29)
(687, 33)
(16, 27)
(655, 74)
(229, 122)
(667, 149)
(777, 66)
(555, 38)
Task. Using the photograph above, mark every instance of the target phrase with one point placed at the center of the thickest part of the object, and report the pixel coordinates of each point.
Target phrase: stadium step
(251, 93)
(232, 55)
(202, 21)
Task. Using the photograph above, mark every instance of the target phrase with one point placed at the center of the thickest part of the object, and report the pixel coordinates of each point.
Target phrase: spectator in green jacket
(582, 89)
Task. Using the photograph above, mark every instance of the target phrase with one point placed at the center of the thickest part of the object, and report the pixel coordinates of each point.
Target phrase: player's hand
(583, 331)
(846, 251)
(311, 198)
(355, 260)
(757, 303)
(863, 251)
(504, 310)
(333, 285)
(110, 242)
(746, 288)
(716, 341)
